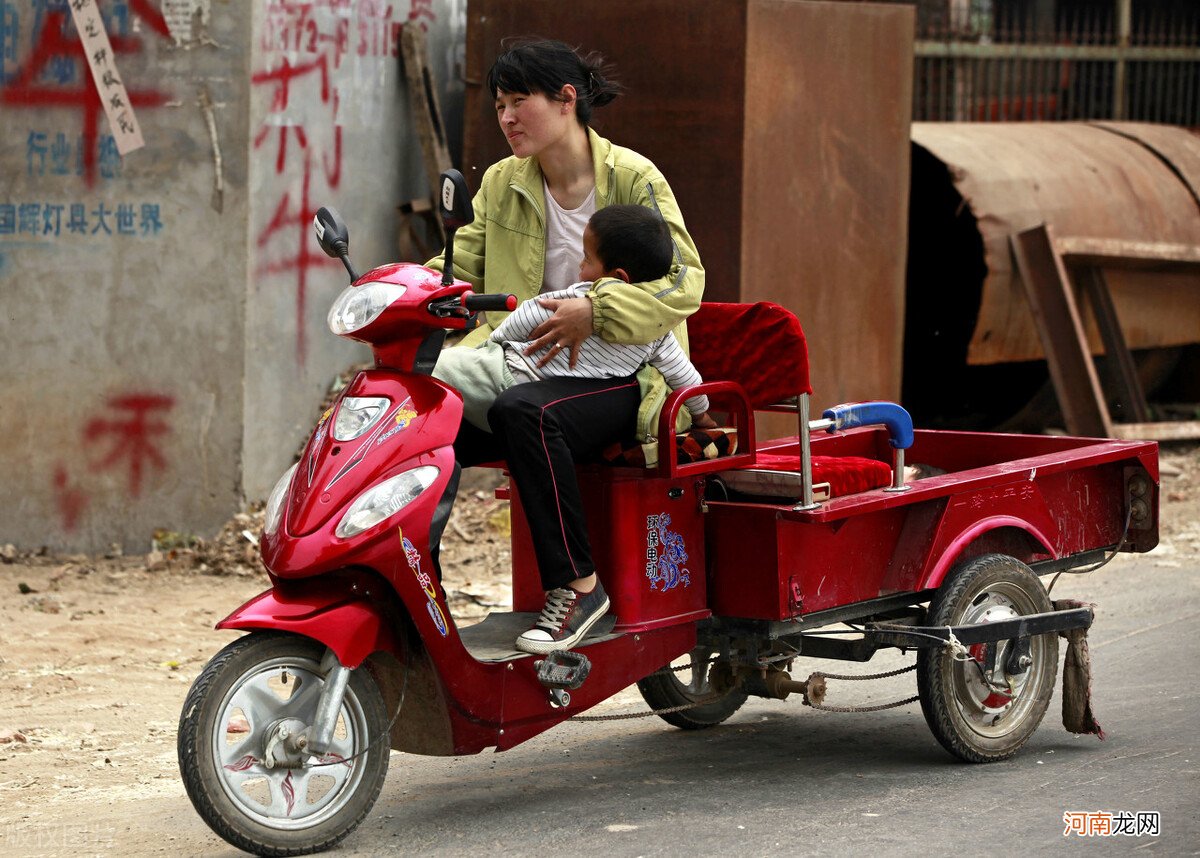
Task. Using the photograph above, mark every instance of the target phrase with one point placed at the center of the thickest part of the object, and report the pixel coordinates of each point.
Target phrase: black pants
(542, 429)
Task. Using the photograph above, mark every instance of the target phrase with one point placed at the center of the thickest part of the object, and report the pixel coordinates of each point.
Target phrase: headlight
(356, 415)
(385, 499)
(359, 306)
(275, 501)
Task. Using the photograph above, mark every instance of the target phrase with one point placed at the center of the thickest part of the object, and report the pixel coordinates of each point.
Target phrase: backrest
(760, 346)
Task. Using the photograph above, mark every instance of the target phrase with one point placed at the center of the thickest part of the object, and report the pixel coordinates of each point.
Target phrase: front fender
(351, 626)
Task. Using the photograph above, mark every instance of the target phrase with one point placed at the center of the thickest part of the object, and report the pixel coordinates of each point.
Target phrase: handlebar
(475, 303)
(464, 306)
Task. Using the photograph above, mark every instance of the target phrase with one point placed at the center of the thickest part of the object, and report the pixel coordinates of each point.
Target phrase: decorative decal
(243, 764)
(403, 417)
(414, 563)
(665, 555)
(289, 792)
(435, 614)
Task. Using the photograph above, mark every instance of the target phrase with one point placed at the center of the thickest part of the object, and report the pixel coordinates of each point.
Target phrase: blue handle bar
(889, 414)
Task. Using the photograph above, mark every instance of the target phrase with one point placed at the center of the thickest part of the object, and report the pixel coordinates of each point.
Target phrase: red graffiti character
(131, 434)
(53, 46)
(292, 216)
(422, 13)
(69, 500)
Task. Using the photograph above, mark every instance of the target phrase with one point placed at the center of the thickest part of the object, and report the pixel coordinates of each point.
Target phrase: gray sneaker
(565, 620)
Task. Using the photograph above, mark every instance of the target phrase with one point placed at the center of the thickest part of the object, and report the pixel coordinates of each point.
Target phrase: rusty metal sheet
(1058, 321)
(1084, 180)
(1178, 148)
(825, 185)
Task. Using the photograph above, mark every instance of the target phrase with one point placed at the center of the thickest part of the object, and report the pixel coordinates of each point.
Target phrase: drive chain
(627, 716)
(683, 708)
(876, 708)
(715, 697)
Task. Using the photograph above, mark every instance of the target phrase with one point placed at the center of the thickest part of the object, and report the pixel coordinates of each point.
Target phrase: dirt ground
(96, 655)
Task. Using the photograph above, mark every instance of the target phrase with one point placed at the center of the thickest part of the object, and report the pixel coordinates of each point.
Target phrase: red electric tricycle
(725, 560)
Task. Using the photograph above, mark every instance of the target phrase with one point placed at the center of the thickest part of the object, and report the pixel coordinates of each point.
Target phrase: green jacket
(504, 250)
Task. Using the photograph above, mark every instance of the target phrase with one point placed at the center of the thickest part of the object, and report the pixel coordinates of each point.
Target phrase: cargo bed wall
(1032, 497)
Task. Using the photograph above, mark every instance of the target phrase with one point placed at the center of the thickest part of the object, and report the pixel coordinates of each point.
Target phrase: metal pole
(898, 474)
(1124, 25)
(806, 481)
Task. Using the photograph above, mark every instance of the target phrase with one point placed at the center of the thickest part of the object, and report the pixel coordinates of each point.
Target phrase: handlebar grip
(475, 303)
(889, 414)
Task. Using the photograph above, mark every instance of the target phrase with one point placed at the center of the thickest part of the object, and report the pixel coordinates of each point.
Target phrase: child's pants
(542, 429)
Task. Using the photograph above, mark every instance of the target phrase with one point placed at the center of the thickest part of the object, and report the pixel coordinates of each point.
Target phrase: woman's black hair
(634, 238)
(530, 65)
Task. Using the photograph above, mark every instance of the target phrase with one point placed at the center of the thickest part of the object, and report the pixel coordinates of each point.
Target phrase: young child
(626, 242)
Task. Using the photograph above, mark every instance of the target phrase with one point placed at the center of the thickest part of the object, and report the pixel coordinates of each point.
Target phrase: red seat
(762, 347)
(846, 475)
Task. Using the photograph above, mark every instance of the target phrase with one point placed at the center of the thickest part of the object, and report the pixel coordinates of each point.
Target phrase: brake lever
(446, 307)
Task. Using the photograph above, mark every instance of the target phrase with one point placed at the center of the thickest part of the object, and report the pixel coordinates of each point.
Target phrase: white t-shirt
(564, 240)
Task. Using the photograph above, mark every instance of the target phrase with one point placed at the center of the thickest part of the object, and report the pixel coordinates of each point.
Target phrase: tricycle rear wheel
(664, 690)
(977, 715)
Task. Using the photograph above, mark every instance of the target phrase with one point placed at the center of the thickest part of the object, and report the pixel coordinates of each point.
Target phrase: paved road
(778, 777)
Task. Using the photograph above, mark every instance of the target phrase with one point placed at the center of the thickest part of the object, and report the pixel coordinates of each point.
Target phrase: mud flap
(1077, 713)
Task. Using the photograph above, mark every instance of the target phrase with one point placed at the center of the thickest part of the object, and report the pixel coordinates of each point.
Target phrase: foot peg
(561, 670)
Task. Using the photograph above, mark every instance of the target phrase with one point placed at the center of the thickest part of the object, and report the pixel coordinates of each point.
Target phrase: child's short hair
(634, 238)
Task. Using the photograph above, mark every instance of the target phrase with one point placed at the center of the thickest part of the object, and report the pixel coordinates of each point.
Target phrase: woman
(530, 212)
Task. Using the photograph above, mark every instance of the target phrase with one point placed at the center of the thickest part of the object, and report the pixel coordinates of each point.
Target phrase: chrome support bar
(806, 476)
(898, 474)
(328, 707)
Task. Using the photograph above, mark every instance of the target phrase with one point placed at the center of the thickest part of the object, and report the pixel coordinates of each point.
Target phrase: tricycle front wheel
(238, 757)
(981, 715)
(668, 689)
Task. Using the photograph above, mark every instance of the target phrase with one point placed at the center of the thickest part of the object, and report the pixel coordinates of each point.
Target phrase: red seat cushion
(760, 346)
(846, 475)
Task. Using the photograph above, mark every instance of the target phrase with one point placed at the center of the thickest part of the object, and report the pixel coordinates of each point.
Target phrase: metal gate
(1026, 60)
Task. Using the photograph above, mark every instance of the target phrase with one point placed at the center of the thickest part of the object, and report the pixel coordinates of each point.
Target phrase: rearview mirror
(456, 211)
(332, 233)
(334, 237)
(456, 207)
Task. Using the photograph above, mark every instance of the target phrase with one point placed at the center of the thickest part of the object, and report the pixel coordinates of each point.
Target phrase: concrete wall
(162, 339)
(329, 126)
